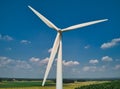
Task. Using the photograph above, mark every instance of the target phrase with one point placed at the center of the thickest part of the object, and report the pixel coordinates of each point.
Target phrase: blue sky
(90, 52)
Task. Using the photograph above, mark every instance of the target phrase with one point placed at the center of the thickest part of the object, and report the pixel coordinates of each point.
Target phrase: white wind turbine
(57, 46)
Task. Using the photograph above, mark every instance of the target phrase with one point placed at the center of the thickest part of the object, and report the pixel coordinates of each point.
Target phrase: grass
(17, 84)
(37, 84)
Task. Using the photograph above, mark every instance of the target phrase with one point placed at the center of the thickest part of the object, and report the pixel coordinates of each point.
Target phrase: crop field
(49, 84)
(107, 85)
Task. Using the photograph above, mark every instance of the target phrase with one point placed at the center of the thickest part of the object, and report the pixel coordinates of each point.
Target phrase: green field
(108, 85)
(51, 85)
(37, 84)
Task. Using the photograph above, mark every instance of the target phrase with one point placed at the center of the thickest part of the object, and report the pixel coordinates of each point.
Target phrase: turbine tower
(57, 46)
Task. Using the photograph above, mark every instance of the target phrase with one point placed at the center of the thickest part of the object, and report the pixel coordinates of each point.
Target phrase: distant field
(49, 84)
(107, 85)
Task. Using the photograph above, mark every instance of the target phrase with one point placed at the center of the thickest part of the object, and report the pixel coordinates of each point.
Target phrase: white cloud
(86, 68)
(33, 67)
(25, 42)
(75, 70)
(90, 68)
(49, 51)
(102, 68)
(22, 64)
(107, 59)
(44, 61)
(95, 68)
(38, 61)
(7, 62)
(6, 37)
(70, 63)
(95, 61)
(110, 44)
(33, 59)
(87, 47)
(117, 67)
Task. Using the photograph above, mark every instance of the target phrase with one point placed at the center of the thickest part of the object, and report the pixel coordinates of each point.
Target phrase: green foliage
(109, 85)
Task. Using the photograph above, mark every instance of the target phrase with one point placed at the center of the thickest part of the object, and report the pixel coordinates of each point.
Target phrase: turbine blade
(45, 20)
(52, 56)
(83, 25)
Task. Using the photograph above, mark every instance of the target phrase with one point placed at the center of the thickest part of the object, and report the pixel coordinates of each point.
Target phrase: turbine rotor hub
(60, 31)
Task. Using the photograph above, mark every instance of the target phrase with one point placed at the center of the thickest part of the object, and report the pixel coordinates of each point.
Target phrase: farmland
(107, 85)
(49, 85)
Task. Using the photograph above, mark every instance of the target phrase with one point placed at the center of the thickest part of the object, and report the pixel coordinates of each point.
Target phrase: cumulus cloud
(70, 63)
(102, 68)
(6, 37)
(38, 61)
(33, 59)
(44, 61)
(7, 62)
(95, 61)
(49, 51)
(87, 47)
(117, 67)
(25, 42)
(75, 70)
(22, 64)
(89, 68)
(107, 59)
(110, 44)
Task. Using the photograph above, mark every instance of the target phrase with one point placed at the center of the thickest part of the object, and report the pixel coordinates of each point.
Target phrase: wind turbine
(57, 46)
